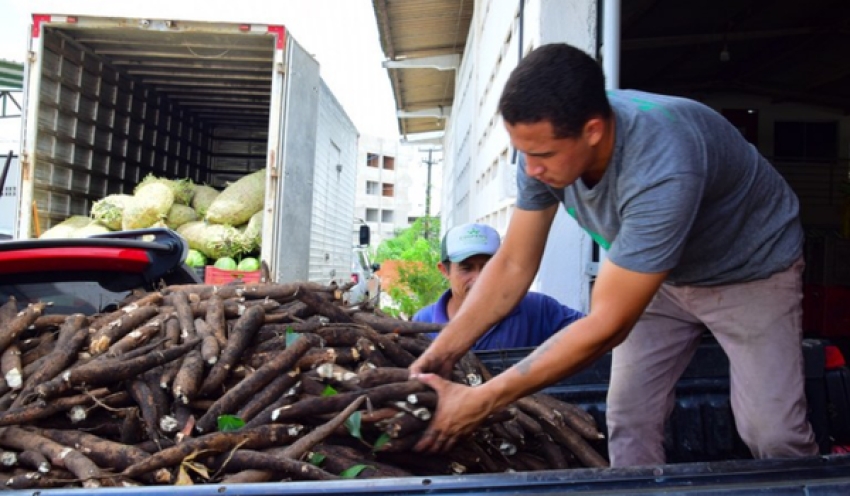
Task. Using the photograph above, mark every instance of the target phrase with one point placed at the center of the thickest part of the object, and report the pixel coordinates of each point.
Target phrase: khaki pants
(759, 326)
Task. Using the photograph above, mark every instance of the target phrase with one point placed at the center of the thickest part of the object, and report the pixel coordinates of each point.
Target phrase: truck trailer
(108, 101)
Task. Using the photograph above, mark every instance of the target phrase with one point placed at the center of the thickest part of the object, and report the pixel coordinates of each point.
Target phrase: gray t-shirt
(684, 192)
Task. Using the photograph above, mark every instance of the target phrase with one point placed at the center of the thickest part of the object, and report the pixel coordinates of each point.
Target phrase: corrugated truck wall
(334, 191)
(101, 132)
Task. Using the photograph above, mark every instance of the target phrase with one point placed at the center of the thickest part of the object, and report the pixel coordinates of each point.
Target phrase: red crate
(826, 310)
(216, 276)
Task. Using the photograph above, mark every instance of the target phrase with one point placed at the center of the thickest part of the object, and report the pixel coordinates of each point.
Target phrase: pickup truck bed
(819, 476)
(701, 428)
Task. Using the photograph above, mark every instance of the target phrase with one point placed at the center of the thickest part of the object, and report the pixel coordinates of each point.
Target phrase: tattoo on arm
(524, 366)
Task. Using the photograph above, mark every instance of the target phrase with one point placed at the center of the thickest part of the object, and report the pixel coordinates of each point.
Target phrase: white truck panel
(335, 172)
(292, 221)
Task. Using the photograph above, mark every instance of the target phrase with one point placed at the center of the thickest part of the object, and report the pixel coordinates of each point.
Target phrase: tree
(419, 282)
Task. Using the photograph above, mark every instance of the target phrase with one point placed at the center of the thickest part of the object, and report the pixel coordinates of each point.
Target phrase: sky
(341, 34)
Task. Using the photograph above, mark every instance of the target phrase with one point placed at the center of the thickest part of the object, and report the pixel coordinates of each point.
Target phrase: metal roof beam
(5, 98)
(439, 62)
(439, 112)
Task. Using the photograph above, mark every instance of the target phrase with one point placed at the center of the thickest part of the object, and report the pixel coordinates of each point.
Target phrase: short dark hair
(559, 83)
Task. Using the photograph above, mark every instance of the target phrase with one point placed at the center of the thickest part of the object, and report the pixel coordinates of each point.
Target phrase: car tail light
(834, 357)
(355, 277)
(134, 260)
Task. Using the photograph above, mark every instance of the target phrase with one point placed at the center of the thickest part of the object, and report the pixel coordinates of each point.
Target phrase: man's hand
(433, 362)
(460, 409)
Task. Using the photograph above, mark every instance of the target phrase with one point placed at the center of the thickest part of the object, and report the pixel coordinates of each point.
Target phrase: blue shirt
(532, 321)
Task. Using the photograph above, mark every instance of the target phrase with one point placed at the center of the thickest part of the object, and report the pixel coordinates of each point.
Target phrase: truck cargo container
(108, 101)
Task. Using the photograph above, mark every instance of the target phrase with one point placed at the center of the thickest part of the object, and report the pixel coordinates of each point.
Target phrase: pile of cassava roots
(201, 384)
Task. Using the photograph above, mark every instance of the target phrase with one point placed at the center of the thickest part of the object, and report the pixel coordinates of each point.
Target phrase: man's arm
(618, 300)
(501, 285)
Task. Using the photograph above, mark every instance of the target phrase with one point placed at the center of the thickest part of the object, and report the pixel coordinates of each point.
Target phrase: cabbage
(225, 263)
(195, 259)
(248, 264)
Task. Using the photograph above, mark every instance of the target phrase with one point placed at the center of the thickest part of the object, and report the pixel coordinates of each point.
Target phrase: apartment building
(392, 185)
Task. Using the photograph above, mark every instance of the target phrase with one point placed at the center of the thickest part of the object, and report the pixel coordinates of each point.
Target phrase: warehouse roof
(11, 76)
(423, 41)
(785, 50)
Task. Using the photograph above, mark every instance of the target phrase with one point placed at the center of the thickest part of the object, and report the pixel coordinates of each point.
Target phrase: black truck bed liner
(701, 427)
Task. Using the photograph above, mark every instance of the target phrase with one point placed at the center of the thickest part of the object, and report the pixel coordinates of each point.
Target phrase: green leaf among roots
(380, 442)
(352, 423)
(230, 423)
(316, 459)
(291, 336)
(352, 472)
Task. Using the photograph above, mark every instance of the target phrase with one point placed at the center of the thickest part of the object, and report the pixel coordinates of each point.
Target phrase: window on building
(388, 189)
(372, 188)
(389, 163)
(371, 215)
(387, 216)
(373, 160)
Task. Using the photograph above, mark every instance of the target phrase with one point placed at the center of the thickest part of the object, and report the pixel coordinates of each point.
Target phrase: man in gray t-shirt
(701, 232)
(673, 200)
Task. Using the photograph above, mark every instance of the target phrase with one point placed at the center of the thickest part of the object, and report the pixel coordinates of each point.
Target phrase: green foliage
(352, 423)
(352, 472)
(419, 281)
(229, 423)
(291, 336)
(402, 246)
(381, 441)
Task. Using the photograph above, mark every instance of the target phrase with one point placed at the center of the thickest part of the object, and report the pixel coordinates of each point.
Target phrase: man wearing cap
(465, 251)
